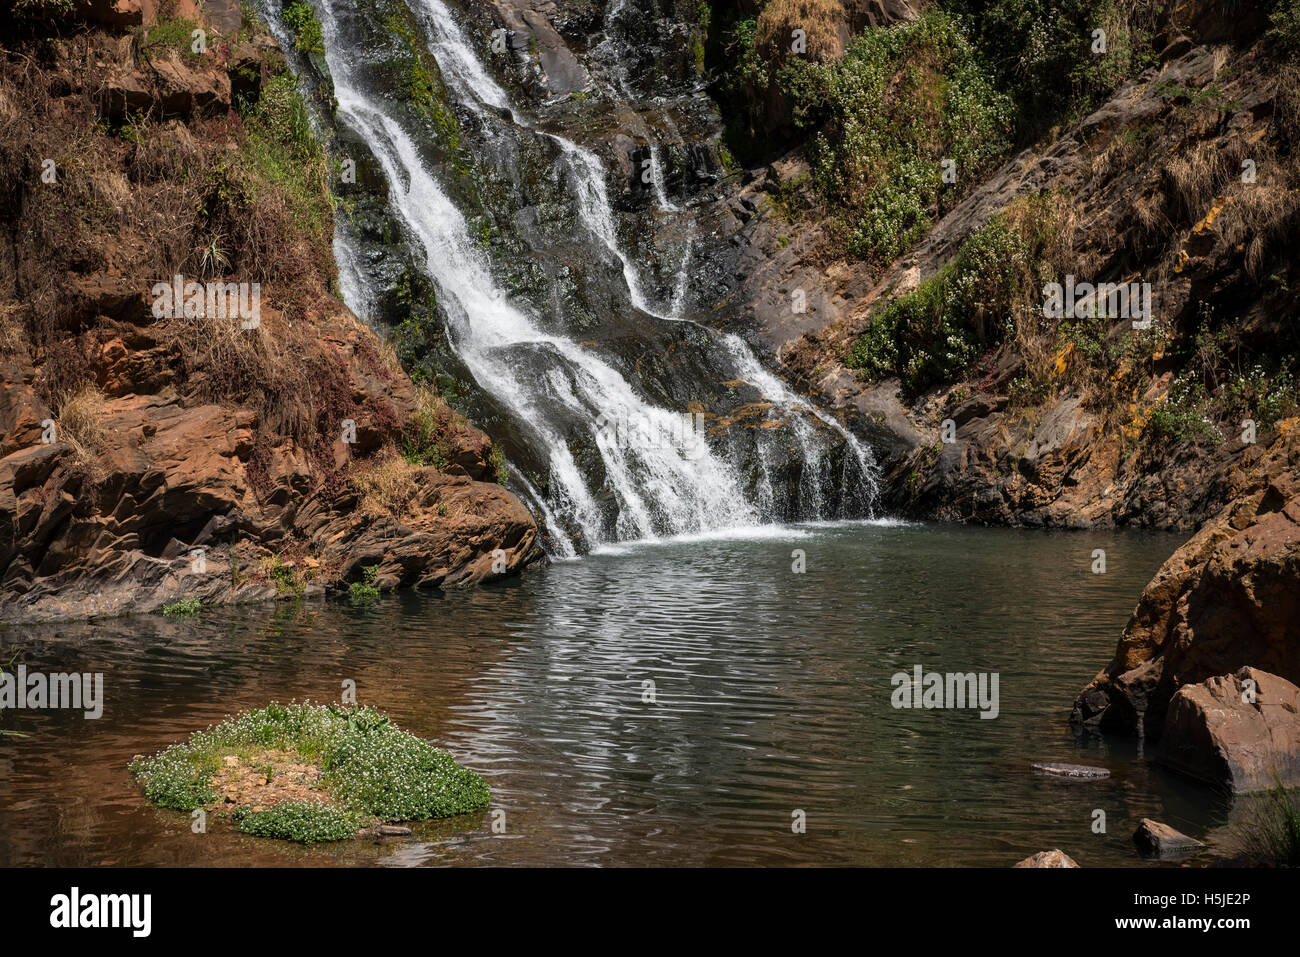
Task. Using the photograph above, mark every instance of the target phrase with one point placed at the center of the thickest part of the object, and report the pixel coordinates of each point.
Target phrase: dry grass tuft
(1260, 216)
(387, 485)
(12, 328)
(1192, 178)
(819, 19)
(80, 427)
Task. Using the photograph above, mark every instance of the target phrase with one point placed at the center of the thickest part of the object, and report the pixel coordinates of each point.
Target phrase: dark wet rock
(1239, 731)
(1080, 772)
(538, 45)
(1052, 858)
(1154, 839)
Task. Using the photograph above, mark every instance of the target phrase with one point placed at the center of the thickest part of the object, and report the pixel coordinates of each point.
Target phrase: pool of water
(679, 703)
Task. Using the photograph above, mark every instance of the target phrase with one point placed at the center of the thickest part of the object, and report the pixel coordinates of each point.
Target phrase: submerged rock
(1240, 731)
(1079, 771)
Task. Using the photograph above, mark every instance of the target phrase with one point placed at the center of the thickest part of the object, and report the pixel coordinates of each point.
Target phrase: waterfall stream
(609, 415)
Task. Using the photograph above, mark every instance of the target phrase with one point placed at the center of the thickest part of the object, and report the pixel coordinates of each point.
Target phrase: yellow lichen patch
(1210, 217)
(1061, 361)
(741, 413)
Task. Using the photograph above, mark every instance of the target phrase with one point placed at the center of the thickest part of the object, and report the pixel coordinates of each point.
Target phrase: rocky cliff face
(1182, 179)
(155, 448)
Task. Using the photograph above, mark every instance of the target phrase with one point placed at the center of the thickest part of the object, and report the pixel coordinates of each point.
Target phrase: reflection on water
(771, 695)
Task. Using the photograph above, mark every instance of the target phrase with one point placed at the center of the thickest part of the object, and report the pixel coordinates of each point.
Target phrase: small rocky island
(310, 773)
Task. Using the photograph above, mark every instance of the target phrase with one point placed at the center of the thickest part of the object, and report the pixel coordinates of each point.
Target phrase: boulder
(1228, 599)
(119, 13)
(533, 39)
(1239, 731)
(1154, 839)
(1052, 858)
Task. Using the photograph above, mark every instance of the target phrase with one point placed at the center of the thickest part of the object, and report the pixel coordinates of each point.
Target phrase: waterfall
(639, 468)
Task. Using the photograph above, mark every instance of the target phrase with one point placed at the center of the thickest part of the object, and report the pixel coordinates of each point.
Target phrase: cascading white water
(472, 83)
(457, 60)
(543, 380)
(660, 488)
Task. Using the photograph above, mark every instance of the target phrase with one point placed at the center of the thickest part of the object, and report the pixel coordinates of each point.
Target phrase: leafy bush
(1286, 28)
(936, 332)
(184, 608)
(428, 436)
(1041, 51)
(1256, 394)
(364, 592)
(308, 36)
(307, 822)
(1183, 416)
(42, 10)
(900, 102)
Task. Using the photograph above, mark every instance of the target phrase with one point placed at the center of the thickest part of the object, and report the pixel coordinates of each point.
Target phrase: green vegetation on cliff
(300, 18)
(887, 118)
(983, 297)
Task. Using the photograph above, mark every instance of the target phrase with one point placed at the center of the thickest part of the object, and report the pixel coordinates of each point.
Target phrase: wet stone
(1080, 772)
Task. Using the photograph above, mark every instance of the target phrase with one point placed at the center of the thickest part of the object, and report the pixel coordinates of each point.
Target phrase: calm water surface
(771, 688)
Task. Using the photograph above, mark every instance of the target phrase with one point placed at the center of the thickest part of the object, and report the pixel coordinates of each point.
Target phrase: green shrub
(1286, 28)
(1183, 416)
(43, 10)
(270, 199)
(1262, 396)
(308, 36)
(307, 822)
(497, 459)
(171, 35)
(935, 333)
(1041, 51)
(184, 608)
(900, 102)
(364, 592)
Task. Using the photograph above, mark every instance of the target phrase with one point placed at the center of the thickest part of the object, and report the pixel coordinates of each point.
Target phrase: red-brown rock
(1240, 731)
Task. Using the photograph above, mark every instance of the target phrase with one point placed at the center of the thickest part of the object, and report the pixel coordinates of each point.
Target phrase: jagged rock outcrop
(116, 530)
(1240, 732)
(1227, 599)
